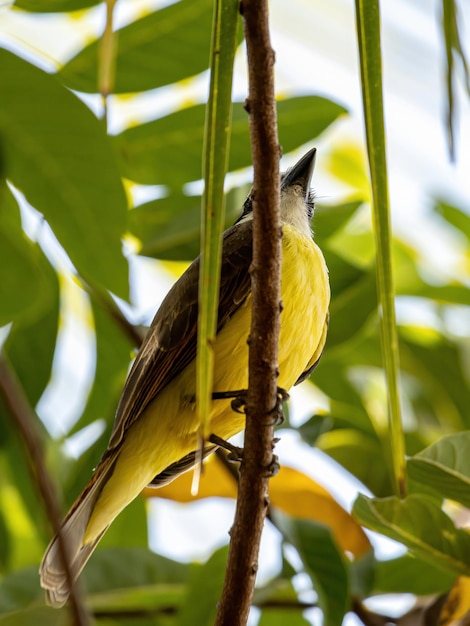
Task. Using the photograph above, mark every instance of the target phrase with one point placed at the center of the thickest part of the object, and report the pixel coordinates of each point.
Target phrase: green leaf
(324, 563)
(329, 219)
(204, 590)
(445, 466)
(36, 616)
(113, 569)
(281, 616)
(351, 308)
(422, 526)
(170, 228)
(30, 346)
(454, 216)
(168, 150)
(357, 452)
(19, 589)
(113, 355)
(159, 49)
(5, 547)
(24, 287)
(54, 6)
(443, 383)
(408, 574)
(56, 152)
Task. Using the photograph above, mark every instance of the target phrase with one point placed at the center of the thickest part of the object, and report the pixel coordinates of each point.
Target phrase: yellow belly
(167, 430)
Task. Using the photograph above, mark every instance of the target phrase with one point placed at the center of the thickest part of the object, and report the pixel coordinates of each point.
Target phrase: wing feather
(316, 356)
(170, 344)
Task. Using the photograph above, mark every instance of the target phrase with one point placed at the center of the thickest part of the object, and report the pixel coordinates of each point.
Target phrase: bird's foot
(239, 400)
(235, 453)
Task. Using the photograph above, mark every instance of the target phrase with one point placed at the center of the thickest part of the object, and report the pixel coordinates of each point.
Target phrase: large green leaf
(324, 563)
(30, 348)
(168, 150)
(57, 153)
(328, 219)
(357, 452)
(454, 216)
(279, 616)
(54, 6)
(24, 286)
(111, 570)
(204, 590)
(352, 307)
(36, 616)
(420, 524)
(445, 467)
(159, 49)
(408, 574)
(19, 590)
(170, 228)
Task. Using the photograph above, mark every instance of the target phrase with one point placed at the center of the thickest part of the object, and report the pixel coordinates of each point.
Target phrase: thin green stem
(215, 161)
(368, 30)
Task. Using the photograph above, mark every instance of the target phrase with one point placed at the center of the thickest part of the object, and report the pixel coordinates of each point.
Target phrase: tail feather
(52, 572)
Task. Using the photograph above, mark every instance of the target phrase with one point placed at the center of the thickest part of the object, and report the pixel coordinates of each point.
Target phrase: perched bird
(155, 434)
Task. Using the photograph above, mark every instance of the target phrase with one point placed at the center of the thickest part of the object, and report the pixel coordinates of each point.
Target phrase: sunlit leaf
(113, 570)
(457, 603)
(204, 591)
(170, 227)
(57, 153)
(24, 287)
(54, 6)
(454, 216)
(445, 467)
(280, 616)
(290, 490)
(409, 574)
(158, 49)
(323, 562)
(168, 150)
(328, 219)
(420, 524)
(36, 616)
(358, 452)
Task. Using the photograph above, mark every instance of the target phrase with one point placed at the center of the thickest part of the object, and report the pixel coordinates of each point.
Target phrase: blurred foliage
(56, 160)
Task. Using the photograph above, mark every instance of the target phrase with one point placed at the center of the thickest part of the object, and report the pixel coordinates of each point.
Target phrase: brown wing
(311, 365)
(170, 344)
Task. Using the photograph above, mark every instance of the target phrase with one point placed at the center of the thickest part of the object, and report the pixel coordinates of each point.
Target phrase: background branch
(24, 419)
(253, 502)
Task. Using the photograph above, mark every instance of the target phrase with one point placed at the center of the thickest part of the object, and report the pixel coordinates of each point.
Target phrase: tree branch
(24, 420)
(253, 501)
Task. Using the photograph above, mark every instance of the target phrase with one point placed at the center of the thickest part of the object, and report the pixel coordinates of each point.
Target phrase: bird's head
(297, 200)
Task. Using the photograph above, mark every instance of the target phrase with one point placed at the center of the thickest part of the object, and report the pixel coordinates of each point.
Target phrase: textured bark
(253, 502)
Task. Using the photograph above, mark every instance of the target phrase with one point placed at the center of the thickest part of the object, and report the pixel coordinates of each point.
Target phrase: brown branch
(24, 420)
(253, 501)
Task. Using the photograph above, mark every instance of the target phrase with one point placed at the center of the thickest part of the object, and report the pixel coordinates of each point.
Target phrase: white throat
(294, 211)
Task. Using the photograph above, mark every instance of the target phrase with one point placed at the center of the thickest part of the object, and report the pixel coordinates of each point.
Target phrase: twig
(253, 499)
(24, 419)
(135, 334)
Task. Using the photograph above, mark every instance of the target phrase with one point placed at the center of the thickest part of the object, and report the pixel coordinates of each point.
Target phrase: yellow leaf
(457, 603)
(291, 491)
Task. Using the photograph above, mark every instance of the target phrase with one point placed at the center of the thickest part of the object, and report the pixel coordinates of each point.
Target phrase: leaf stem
(368, 31)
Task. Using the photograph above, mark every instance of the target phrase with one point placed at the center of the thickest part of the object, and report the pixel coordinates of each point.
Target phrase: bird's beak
(301, 173)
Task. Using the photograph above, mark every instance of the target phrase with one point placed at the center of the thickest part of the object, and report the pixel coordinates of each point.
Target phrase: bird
(155, 434)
